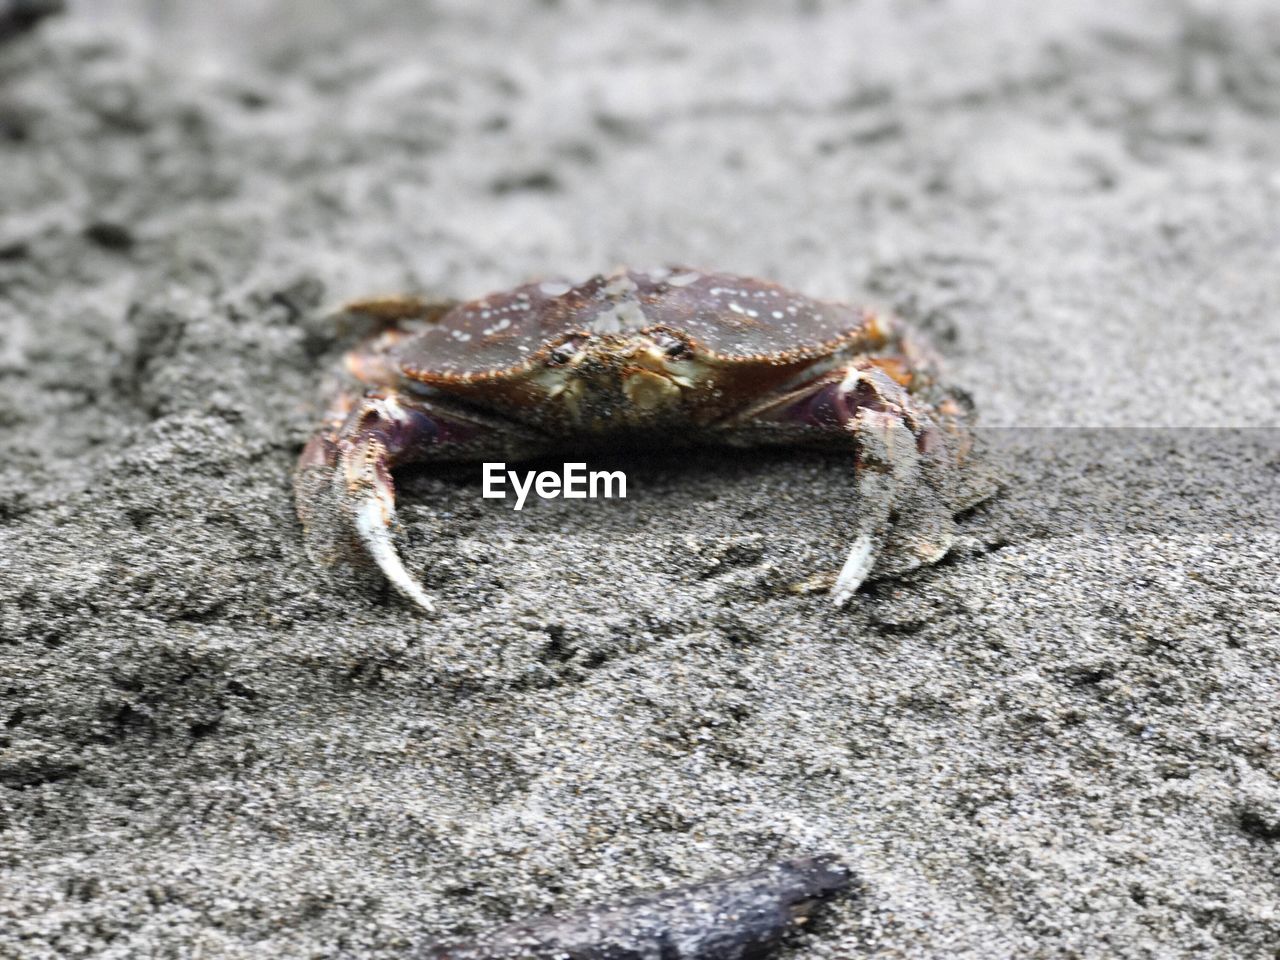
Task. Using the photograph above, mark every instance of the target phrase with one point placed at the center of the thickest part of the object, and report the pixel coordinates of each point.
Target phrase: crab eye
(673, 348)
(562, 353)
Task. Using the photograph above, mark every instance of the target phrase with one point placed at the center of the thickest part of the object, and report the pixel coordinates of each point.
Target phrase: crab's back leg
(395, 308)
(905, 450)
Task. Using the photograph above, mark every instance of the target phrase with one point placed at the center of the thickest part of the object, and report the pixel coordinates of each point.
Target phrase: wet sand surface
(1060, 742)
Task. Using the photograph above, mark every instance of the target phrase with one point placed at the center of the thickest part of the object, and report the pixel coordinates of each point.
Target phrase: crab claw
(900, 476)
(857, 566)
(900, 467)
(343, 483)
(377, 433)
(887, 464)
(373, 525)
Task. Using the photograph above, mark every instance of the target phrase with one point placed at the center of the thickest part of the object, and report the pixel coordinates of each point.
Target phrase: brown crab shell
(724, 319)
(744, 337)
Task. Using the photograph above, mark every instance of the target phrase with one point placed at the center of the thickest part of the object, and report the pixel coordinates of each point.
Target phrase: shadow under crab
(665, 358)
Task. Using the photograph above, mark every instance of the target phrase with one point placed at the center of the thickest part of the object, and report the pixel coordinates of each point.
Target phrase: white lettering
(493, 479)
(548, 485)
(522, 491)
(608, 479)
(575, 481)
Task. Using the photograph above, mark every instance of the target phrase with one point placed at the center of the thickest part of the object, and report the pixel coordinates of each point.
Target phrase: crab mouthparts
(634, 383)
(648, 390)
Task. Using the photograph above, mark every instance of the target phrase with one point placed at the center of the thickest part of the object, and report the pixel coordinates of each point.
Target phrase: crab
(669, 357)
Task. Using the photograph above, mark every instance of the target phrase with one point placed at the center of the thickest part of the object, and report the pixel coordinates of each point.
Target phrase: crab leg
(343, 482)
(392, 309)
(899, 459)
(364, 480)
(886, 464)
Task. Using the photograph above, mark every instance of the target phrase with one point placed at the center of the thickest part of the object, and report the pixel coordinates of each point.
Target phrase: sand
(1060, 742)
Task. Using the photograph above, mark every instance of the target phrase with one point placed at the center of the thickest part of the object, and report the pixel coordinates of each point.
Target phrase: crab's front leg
(343, 484)
(904, 451)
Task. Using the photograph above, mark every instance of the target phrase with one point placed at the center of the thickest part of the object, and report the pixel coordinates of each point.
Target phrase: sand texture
(1060, 742)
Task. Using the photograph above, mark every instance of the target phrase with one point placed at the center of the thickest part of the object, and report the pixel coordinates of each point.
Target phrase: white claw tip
(373, 525)
(855, 570)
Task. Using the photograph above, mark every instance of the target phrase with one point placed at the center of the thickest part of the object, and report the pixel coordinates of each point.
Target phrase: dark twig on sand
(737, 918)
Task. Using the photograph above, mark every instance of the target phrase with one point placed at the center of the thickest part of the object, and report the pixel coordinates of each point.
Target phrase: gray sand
(1061, 742)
